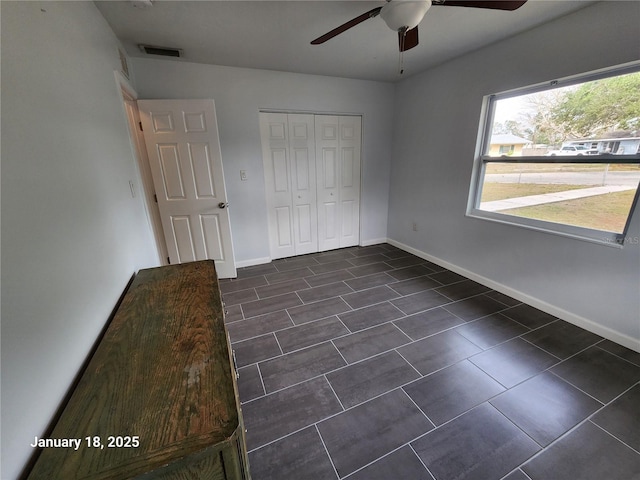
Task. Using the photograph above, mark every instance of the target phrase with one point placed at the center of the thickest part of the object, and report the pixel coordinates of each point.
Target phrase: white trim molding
(590, 325)
(252, 261)
(375, 241)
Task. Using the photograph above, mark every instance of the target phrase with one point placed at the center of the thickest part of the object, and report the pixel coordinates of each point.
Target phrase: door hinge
(168, 261)
(140, 124)
(155, 198)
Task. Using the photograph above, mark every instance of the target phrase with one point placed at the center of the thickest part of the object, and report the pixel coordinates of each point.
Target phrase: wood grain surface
(162, 373)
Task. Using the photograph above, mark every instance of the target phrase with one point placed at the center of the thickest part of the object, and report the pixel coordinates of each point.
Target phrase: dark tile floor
(370, 363)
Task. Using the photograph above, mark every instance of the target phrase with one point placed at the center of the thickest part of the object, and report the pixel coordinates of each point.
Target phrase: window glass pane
(590, 118)
(595, 196)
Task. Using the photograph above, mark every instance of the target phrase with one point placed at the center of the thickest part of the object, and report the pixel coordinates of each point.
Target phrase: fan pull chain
(401, 58)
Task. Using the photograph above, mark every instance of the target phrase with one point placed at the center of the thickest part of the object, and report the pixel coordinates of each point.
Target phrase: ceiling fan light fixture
(404, 14)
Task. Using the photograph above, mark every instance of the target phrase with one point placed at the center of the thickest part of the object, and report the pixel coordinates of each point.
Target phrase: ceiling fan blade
(408, 39)
(346, 26)
(509, 5)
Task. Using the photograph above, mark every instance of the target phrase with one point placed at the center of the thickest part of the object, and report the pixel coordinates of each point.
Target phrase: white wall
(434, 144)
(72, 235)
(240, 94)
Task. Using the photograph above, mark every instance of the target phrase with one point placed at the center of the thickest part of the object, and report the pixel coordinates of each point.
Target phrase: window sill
(599, 237)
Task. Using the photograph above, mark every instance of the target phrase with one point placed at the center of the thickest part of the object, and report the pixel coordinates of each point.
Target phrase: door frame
(129, 96)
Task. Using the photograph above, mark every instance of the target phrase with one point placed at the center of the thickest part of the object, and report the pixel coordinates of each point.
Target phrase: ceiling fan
(403, 16)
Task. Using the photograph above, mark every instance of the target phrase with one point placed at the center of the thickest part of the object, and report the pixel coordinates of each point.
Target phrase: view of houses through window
(567, 155)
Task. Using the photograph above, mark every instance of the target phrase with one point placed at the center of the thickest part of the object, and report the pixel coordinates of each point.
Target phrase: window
(576, 168)
(506, 149)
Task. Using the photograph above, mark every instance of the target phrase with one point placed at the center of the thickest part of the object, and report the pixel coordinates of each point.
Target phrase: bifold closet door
(288, 146)
(312, 181)
(338, 143)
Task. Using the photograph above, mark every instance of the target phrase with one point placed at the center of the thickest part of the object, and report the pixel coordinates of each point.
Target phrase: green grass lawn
(500, 191)
(558, 167)
(607, 212)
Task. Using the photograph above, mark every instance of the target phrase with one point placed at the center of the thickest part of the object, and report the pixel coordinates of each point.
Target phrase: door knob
(223, 205)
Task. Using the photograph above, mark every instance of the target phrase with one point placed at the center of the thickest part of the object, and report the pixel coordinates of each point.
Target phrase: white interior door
(186, 165)
(338, 145)
(290, 182)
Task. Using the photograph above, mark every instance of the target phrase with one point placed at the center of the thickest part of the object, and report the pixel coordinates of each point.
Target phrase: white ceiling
(275, 35)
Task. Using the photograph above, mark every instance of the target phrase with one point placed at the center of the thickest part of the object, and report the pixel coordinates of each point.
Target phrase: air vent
(163, 51)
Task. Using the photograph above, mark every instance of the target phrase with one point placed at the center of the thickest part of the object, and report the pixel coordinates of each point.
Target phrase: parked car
(571, 150)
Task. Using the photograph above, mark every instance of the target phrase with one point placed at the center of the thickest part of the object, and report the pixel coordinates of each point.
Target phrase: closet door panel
(303, 188)
(350, 153)
(338, 147)
(274, 131)
(328, 184)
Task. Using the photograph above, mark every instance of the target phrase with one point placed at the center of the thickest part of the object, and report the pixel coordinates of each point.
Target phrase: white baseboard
(260, 261)
(253, 261)
(375, 241)
(590, 325)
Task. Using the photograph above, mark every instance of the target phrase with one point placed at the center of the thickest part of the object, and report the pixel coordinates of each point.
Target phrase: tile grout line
(374, 461)
(276, 284)
(547, 447)
(410, 364)
(331, 416)
(312, 321)
(605, 405)
(340, 353)
(615, 355)
(324, 374)
(327, 451)
(517, 469)
(572, 429)
(345, 326)
(410, 441)
(399, 387)
(420, 460)
(334, 392)
(418, 407)
(499, 343)
(264, 388)
(395, 349)
(362, 290)
(297, 349)
(612, 435)
(390, 322)
(279, 346)
(531, 329)
(548, 369)
(330, 296)
(512, 422)
(299, 429)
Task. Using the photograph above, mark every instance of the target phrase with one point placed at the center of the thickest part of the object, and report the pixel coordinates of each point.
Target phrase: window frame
(482, 159)
(510, 150)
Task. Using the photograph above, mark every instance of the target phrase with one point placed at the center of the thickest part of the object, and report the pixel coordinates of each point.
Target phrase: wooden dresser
(159, 398)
